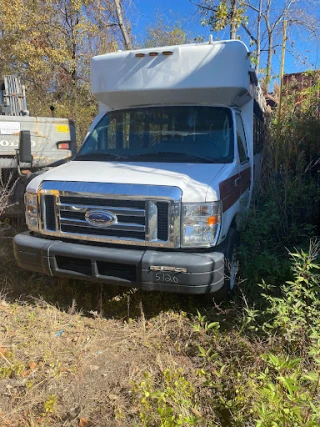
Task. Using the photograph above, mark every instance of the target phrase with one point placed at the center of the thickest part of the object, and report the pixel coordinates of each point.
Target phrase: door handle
(237, 182)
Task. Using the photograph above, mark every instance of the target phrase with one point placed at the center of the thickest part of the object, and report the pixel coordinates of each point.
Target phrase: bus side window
(258, 132)
(255, 135)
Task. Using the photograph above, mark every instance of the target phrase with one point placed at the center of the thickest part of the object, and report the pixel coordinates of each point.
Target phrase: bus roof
(207, 73)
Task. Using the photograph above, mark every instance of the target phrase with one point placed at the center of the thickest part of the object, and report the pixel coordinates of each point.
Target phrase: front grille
(130, 217)
(143, 221)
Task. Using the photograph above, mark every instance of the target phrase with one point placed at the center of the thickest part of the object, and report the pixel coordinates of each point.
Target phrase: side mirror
(25, 147)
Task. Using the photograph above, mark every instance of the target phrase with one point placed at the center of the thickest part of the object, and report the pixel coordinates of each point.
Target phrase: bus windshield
(180, 134)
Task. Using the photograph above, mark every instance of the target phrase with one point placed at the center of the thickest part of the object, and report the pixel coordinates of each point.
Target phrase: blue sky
(144, 13)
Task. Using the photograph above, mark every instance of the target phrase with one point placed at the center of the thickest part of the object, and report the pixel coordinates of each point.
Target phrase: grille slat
(101, 202)
(121, 219)
(84, 223)
(103, 232)
(117, 211)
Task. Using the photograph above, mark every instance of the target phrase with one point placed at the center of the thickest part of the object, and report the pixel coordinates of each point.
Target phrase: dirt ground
(76, 354)
(58, 368)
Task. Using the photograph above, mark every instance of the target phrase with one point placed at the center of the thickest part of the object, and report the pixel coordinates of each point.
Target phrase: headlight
(200, 224)
(31, 202)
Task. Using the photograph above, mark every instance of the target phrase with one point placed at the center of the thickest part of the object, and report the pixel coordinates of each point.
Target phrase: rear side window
(241, 140)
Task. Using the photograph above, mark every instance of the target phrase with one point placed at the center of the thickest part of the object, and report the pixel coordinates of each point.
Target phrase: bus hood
(196, 180)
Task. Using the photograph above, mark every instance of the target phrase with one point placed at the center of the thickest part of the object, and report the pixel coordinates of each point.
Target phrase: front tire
(230, 268)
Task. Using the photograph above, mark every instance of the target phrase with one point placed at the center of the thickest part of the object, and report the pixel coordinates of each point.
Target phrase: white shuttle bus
(155, 197)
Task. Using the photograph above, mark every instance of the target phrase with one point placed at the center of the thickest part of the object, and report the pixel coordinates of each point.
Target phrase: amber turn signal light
(213, 220)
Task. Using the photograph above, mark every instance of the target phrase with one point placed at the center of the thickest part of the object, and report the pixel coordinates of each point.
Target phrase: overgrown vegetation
(238, 365)
(286, 212)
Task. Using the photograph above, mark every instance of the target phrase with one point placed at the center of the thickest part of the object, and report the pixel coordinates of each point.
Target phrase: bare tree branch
(246, 29)
(123, 28)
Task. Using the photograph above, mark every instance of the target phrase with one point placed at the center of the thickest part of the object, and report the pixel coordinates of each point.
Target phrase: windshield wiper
(101, 155)
(168, 154)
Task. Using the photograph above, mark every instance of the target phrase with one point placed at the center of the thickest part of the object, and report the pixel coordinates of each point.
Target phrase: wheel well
(234, 223)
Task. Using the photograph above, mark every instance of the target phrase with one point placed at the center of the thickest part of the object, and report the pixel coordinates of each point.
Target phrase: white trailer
(52, 140)
(158, 191)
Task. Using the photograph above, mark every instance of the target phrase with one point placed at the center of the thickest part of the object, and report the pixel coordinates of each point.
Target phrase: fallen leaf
(3, 351)
(33, 365)
(196, 412)
(113, 396)
(83, 422)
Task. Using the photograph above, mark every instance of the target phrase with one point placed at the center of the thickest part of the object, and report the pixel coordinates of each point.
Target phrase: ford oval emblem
(100, 218)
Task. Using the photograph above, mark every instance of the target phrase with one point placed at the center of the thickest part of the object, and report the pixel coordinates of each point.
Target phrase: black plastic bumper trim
(205, 271)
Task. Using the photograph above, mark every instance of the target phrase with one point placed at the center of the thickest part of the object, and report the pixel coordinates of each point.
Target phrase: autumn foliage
(49, 46)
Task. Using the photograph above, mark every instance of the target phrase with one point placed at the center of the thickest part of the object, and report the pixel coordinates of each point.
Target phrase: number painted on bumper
(166, 278)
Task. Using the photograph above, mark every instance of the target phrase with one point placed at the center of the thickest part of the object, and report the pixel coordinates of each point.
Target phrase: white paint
(9, 128)
(194, 73)
(193, 179)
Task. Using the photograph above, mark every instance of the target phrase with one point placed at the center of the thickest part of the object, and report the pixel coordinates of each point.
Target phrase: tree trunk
(270, 30)
(125, 35)
(269, 59)
(233, 24)
(258, 51)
